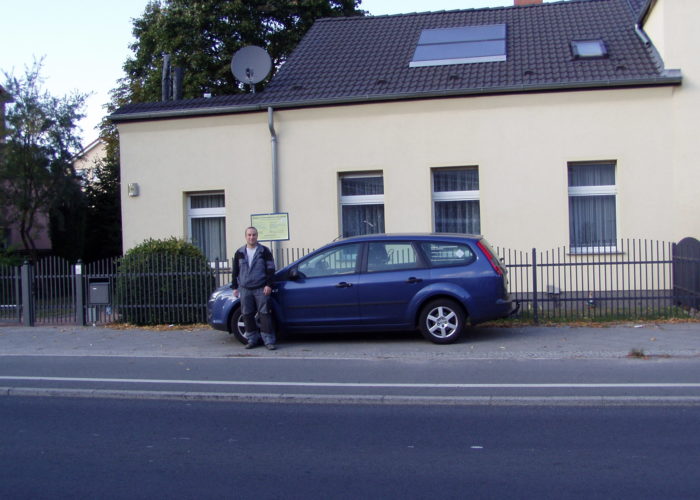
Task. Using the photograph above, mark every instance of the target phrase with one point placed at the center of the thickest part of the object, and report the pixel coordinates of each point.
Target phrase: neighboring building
(545, 125)
(85, 161)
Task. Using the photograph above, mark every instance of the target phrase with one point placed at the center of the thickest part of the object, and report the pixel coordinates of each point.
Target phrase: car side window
(448, 254)
(391, 256)
(332, 262)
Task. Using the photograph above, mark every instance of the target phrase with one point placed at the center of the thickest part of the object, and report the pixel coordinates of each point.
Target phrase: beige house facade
(516, 152)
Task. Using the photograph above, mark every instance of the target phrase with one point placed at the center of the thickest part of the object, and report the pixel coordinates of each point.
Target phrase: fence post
(27, 295)
(536, 317)
(79, 282)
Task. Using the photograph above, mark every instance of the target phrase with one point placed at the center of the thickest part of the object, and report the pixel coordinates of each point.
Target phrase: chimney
(166, 82)
(520, 3)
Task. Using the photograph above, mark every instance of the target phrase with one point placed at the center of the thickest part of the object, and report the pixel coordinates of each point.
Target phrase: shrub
(163, 282)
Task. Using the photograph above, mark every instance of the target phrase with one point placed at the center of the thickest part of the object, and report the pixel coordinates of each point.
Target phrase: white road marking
(361, 384)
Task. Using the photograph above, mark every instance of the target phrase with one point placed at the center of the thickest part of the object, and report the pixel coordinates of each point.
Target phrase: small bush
(163, 282)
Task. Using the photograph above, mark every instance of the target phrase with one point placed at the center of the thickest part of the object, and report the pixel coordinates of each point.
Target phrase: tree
(36, 173)
(202, 36)
(103, 225)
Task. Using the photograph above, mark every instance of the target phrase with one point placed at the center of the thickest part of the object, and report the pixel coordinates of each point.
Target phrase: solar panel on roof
(461, 45)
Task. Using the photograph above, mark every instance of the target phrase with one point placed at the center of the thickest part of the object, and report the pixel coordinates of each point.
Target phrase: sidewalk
(655, 340)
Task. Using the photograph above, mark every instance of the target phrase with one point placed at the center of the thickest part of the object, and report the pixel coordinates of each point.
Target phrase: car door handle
(413, 279)
(343, 284)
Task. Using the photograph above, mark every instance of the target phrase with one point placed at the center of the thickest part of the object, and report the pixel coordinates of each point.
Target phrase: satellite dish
(251, 65)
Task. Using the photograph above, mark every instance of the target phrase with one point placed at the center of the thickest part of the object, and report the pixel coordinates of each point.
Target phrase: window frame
(579, 49)
(442, 196)
(358, 200)
(205, 213)
(590, 191)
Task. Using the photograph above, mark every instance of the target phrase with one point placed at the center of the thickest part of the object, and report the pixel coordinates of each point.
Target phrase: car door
(395, 273)
(321, 290)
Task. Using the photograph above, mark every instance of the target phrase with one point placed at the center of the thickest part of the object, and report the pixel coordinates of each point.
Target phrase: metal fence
(640, 279)
(635, 280)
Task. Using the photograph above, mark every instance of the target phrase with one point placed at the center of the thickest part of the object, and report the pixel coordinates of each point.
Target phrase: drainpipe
(273, 135)
(275, 194)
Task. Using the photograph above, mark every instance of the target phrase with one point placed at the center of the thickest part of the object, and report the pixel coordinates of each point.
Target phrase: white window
(589, 49)
(362, 204)
(592, 207)
(456, 200)
(206, 217)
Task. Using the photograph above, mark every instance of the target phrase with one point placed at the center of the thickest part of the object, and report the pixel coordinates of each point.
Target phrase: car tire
(236, 326)
(442, 321)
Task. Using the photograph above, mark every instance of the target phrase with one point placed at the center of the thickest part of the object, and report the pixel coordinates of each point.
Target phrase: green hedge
(163, 282)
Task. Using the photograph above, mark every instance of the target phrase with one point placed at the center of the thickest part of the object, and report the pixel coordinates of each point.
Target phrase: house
(544, 125)
(85, 162)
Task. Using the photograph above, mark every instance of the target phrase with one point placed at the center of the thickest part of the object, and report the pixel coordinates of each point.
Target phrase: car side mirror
(294, 274)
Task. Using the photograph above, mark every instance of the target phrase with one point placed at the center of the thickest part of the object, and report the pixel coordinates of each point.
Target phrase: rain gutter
(671, 77)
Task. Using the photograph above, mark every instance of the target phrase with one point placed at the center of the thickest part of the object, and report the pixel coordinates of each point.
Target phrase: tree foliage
(202, 36)
(103, 237)
(37, 179)
(163, 281)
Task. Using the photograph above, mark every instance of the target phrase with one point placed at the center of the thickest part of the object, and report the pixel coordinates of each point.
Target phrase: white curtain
(457, 217)
(209, 234)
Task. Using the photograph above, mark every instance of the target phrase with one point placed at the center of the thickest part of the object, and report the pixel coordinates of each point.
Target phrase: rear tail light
(492, 259)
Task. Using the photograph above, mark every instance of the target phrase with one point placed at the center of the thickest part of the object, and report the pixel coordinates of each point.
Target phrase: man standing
(253, 270)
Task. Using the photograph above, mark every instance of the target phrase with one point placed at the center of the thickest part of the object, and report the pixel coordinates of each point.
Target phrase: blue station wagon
(434, 282)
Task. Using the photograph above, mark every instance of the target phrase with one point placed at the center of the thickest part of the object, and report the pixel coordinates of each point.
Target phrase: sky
(84, 43)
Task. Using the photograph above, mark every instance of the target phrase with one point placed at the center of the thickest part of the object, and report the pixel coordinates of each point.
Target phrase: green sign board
(271, 227)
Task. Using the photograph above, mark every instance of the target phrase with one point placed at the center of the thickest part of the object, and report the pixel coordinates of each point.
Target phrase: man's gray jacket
(260, 271)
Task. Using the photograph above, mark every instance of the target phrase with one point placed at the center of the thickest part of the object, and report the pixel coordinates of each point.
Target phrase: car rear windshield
(442, 254)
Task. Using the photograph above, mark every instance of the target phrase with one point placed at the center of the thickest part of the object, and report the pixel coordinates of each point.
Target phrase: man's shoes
(250, 346)
(270, 347)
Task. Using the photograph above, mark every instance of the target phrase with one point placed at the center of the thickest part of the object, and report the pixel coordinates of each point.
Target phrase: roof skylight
(589, 49)
(462, 45)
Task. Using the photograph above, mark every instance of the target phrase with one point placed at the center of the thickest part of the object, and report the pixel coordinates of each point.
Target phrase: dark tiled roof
(638, 7)
(356, 59)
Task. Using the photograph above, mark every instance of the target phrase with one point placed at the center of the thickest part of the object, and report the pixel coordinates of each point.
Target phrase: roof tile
(356, 58)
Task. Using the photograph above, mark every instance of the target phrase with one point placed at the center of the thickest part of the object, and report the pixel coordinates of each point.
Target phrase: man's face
(251, 237)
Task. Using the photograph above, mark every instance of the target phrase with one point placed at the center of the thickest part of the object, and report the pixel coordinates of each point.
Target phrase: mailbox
(98, 292)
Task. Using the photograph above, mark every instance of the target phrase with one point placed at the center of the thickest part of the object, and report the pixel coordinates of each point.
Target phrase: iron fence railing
(639, 279)
(633, 281)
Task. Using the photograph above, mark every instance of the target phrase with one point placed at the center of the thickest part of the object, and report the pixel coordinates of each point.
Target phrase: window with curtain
(592, 207)
(456, 200)
(206, 216)
(362, 204)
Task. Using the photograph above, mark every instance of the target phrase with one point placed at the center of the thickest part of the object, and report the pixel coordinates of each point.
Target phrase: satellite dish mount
(251, 65)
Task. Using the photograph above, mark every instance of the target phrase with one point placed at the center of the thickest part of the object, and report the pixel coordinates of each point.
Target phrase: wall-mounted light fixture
(133, 189)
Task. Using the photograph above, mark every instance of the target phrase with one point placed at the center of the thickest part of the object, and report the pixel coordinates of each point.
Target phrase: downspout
(275, 193)
(273, 136)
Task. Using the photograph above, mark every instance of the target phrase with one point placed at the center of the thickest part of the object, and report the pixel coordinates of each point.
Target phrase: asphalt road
(663, 381)
(55, 448)
(531, 365)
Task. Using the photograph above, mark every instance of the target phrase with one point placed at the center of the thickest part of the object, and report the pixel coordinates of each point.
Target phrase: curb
(339, 399)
